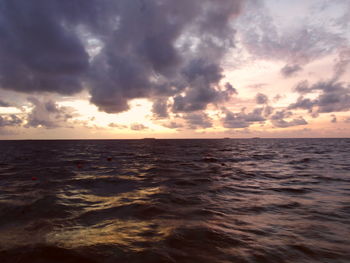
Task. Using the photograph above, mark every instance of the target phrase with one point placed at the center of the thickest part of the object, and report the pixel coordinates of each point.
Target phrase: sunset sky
(174, 69)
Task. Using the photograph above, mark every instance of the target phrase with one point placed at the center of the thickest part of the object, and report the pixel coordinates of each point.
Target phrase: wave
(175, 201)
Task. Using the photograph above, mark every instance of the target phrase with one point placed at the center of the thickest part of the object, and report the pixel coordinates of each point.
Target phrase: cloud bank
(119, 50)
(176, 55)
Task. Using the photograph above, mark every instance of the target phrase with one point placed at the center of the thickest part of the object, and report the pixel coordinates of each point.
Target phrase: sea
(194, 200)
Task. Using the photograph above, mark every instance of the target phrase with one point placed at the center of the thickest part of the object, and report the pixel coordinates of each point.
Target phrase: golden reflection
(128, 233)
(98, 202)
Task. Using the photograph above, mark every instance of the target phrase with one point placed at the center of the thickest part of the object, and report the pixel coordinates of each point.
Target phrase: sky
(107, 69)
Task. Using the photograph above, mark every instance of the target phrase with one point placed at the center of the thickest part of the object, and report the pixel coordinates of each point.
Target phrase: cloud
(39, 53)
(173, 125)
(302, 87)
(257, 85)
(267, 110)
(334, 118)
(332, 94)
(242, 119)
(284, 124)
(281, 114)
(255, 116)
(297, 44)
(118, 50)
(10, 120)
(138, 127)
(230, 89)
(280, 123)
(333, 97)
(342, 63)
(4, 104)
(261, 98)
(196, 99)
(303, 103)
(277, 98)
(198, 120)
(118, 126)
(290, 70)
(203, 78)
(47, 114)
(233, 120)
(278, 119)
(342, 21)
(160, 108)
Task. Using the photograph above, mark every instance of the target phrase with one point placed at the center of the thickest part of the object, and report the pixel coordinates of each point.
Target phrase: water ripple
(266, 200)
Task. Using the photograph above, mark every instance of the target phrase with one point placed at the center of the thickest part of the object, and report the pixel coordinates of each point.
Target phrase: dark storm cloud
(38, 52)
(141, 49)
(160, 108)
(290, 70)
(209, 72)
(4, 104)
(202, 78)
(261, 98)
(47, 114)
(196, 99)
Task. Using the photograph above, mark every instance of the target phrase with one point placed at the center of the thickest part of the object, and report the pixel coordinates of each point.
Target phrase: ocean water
(253, 200)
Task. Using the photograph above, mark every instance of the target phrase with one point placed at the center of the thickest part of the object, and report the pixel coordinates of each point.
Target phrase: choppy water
(262, 200)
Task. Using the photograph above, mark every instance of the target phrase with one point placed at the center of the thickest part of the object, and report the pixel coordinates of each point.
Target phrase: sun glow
(138, 119)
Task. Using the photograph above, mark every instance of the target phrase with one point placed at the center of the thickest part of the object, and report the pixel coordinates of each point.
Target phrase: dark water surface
(258, 200)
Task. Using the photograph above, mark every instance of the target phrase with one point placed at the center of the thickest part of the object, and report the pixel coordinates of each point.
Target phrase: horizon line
(149, 139)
